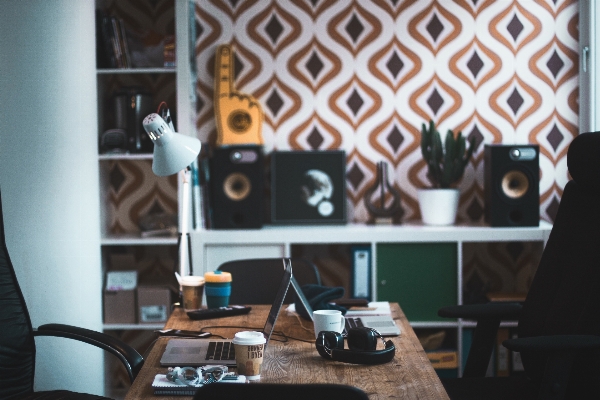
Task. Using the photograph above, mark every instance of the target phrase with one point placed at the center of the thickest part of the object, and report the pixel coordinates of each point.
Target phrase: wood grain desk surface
(408, 376)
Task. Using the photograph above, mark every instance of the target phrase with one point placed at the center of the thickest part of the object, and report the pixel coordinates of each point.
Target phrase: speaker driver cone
(237, 186)
(514, 184)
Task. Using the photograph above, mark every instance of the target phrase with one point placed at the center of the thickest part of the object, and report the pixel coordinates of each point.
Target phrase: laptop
(198, 352)
(384, 324)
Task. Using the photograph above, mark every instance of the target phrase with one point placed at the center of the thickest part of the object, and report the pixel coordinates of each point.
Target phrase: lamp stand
(184, 242)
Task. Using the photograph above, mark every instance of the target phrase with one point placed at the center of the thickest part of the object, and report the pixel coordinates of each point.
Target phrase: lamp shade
(173, 151)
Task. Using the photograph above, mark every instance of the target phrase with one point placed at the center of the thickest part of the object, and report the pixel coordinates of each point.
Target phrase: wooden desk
(408, 376)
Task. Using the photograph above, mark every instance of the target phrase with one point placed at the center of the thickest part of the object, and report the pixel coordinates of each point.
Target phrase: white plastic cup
(249, 353)
(329, 321)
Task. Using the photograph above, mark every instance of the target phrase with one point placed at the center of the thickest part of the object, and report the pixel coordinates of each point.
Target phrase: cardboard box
(119, 297)
(153, 304)
(119, 306)
(443, 359)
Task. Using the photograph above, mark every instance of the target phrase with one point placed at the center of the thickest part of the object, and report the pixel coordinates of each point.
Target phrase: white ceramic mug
(328, 320)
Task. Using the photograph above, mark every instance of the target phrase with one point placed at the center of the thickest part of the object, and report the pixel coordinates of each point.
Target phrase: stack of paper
(374, 308)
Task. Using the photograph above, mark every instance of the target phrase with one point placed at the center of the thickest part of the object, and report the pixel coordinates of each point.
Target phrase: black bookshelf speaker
(237, 187)
(511, 187)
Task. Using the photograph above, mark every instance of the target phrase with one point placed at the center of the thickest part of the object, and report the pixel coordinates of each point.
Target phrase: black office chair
(17, 345)
(256, 281)
(559, 322)
(235, 391)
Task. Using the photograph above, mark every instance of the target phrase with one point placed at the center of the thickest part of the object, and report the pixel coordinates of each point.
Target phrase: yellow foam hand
(238, 116)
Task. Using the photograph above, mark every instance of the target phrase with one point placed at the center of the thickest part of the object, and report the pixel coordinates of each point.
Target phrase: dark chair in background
(559, 322)
(229, 391)
(256, 281)
(17, 344)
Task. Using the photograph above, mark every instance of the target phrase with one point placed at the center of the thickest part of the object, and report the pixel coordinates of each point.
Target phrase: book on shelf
(200, 196)
(104, 49)
(361, 272)
(113, 48)
(124, 44)
(198, 217)
(204, 206)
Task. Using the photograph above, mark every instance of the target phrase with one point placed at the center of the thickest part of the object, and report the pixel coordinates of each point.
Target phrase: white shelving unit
(184, 95)
(213, 247)
(210, 248)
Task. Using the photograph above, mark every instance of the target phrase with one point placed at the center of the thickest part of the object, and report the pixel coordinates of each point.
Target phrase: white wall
(49, 177)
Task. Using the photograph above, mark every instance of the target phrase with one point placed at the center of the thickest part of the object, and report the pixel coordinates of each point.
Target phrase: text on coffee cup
(255, 351)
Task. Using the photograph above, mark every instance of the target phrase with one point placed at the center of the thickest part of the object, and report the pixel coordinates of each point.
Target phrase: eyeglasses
(196, 377)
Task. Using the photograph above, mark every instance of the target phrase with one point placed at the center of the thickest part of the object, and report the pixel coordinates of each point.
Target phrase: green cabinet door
(421, 277)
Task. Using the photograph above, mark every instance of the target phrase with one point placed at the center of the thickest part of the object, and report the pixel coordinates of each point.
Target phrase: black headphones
(362, 344)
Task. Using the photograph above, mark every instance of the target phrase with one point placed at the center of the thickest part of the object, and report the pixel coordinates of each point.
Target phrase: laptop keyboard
(220, 351)
(353, 323)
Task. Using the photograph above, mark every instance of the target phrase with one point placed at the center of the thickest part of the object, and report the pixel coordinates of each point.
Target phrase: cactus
(445, 165)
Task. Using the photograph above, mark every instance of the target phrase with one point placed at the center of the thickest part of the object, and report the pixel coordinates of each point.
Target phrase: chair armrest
(553, 343)
(500, 310)
(560, 353)
(131, 359)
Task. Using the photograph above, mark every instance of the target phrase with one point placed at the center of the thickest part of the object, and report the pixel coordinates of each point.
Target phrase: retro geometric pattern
(134, 192)
(362, 75)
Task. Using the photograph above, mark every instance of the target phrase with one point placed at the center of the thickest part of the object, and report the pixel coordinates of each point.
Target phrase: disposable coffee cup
(218, 289)
(192, 288)
(249, 353)
(328, 321)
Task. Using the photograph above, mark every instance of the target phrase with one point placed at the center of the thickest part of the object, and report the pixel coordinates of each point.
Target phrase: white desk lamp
(173, 153)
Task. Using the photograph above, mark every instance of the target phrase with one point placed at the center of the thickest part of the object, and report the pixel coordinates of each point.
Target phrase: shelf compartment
(130, 191)
(333, 260)
(420, 276)
(506, 267)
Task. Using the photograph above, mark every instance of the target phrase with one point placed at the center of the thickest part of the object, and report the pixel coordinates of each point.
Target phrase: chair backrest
(255, 281)
(17, 346)
(228, 391)
(564, 297)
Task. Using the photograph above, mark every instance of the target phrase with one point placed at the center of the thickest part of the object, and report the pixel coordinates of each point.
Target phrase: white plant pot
(438, 206)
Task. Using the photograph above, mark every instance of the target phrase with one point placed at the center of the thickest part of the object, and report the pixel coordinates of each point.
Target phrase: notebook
(381, 320)
(198, 352)
(377, 316)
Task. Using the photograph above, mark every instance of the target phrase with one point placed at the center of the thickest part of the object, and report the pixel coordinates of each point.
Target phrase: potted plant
(445, 167)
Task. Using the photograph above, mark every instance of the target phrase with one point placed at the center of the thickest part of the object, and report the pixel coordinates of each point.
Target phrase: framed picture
(308, 187)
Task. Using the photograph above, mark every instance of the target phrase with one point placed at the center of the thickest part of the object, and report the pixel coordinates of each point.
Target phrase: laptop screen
(278, 302)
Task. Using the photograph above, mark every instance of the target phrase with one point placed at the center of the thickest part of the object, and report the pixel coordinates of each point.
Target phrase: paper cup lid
(249, 338)
(192, 280)
(217, 276)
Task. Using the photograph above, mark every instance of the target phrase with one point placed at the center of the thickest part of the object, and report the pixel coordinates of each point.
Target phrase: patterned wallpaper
(362, 75)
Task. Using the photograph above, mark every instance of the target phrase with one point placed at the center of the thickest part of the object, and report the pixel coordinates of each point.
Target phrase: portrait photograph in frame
(308, 187)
